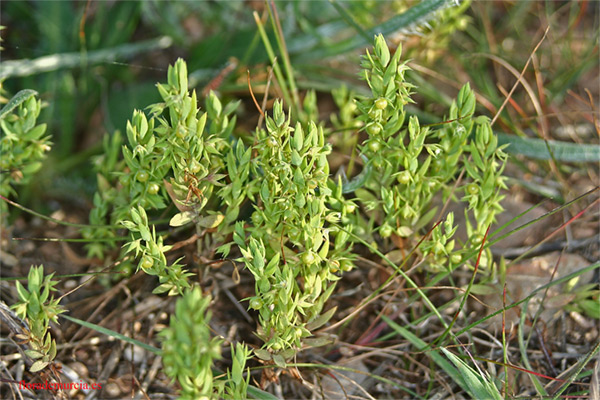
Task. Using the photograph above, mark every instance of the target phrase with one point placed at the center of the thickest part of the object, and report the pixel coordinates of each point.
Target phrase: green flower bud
(385, 231)
(146, 263)
(381, 103)
(374, 146)
(455, 258)
(256, 304)
(374, 128)
(153, 188)
(308, 258)
(142, 176)
(472, 188)
(403, 177)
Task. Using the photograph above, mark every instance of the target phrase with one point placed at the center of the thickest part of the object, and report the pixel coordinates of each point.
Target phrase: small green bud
(308, 258)
(256, 304)
(385, 231)
(403, 177)
(455, 258)
(153, 188)
(346, 265)
(349, 208)
(147, 263)
(271, 142)
(375, 114)
(472, 188)
(377, 162)
(334, 266)
(374, 129)
(381, 103)
(374, 146)
(142, 176)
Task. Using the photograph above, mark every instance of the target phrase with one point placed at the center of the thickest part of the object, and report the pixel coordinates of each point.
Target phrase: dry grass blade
(595, 383)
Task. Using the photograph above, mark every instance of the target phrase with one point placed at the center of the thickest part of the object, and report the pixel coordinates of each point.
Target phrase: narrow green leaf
(433, 354)
(38, 366)
(279, 360)
(17, 68)
(562, 151)
(18, 99)
(23, 293)
(211, 221)
(256, 393)
(321, 320)
(262, 354)
(34, 354)
(318, 341)
(116, 335)
(418, 14)
(478, 385)
(182, 218)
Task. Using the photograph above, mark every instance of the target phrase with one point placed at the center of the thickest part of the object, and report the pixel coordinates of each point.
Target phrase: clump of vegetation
(23, 143)
(186, 188)
(288, 250)
(38, 308)
(411, 164)
(293, 243)
(189, 351)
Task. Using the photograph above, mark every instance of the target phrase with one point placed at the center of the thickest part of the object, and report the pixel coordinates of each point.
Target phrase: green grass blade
(433, 354)
(418, 14)
(57, 221)
(109, 332)
(562, 151)
(573, 374)
(523, 349)
(480, 387)
(273, 60)
(16, 68)
(349, 19)
(287, 66)
(256, 393)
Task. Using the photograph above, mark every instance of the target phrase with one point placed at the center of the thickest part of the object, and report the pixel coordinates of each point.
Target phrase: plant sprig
(38, 308)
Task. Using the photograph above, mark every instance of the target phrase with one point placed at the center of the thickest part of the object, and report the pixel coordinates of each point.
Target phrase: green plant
(288, 251)
(23, 143)
(189, 352)
(585, 300)
(295, 248)
(188, 349)
(38, 309)
(150, 250)
(411, 163)
(480, 385)
(173, 155)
